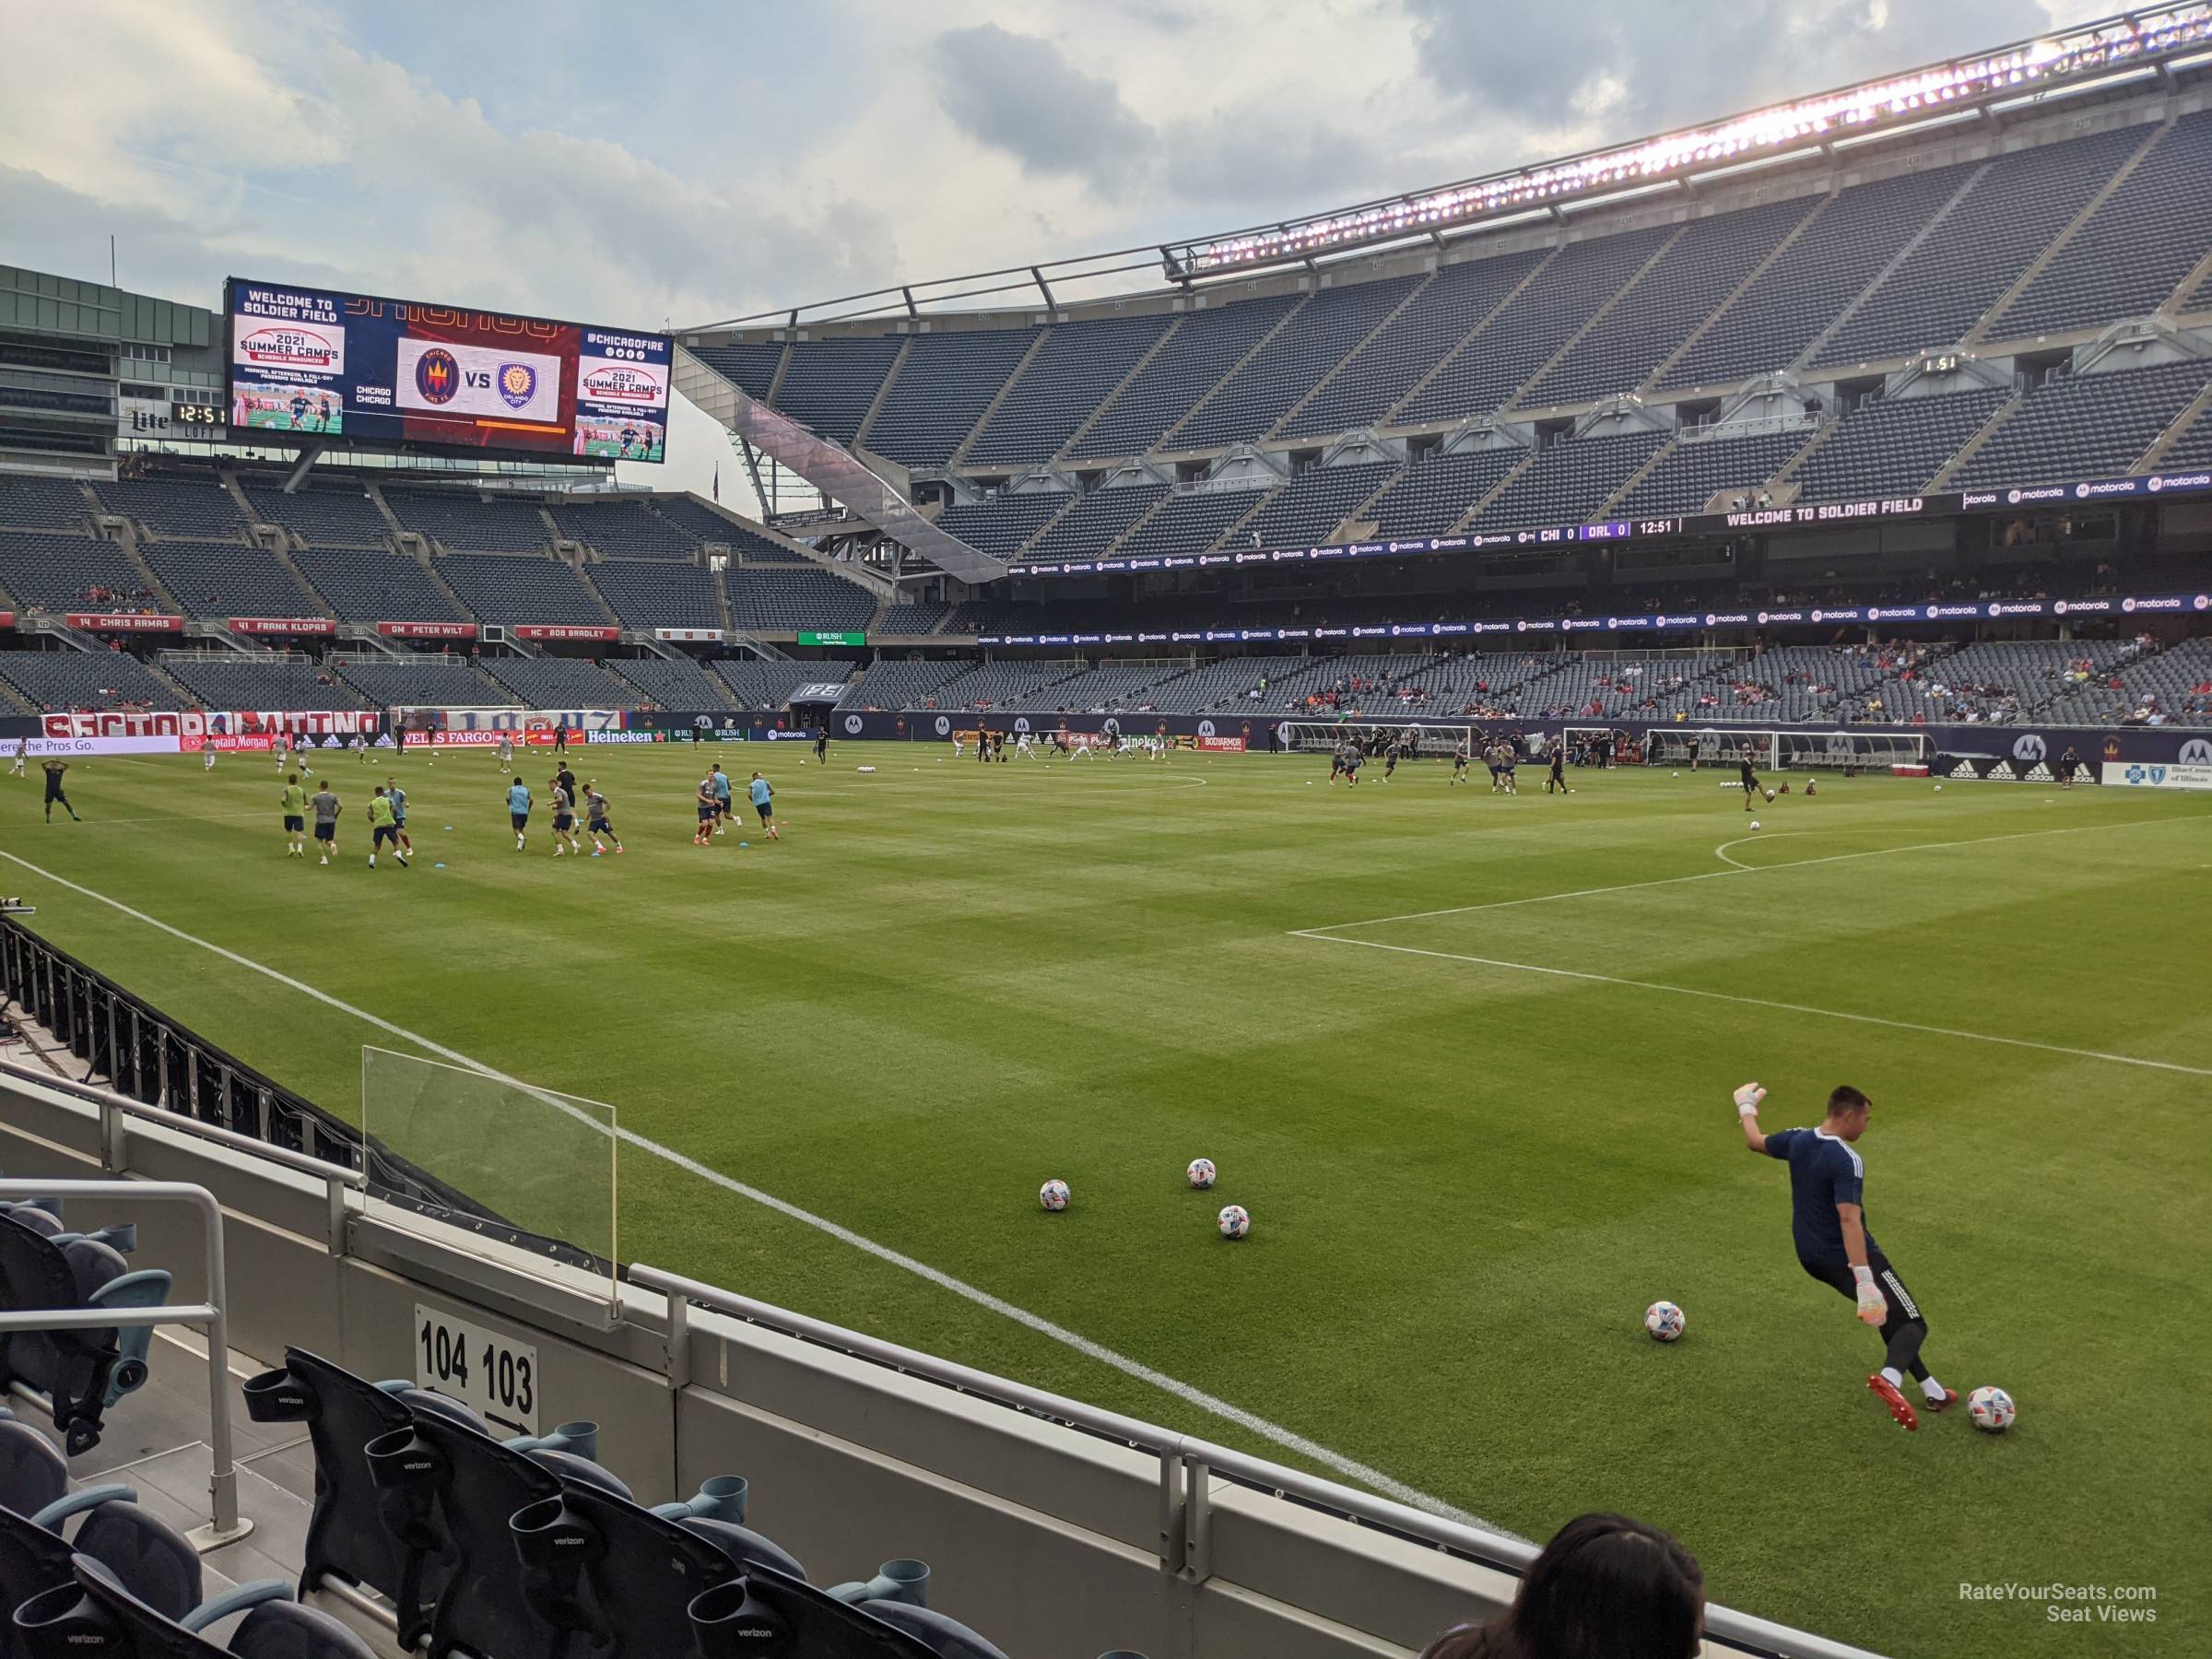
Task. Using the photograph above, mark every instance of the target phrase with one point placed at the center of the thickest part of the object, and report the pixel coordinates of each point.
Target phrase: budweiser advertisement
(123, 622)
(427, 630)
(297, 626)
(562, 630)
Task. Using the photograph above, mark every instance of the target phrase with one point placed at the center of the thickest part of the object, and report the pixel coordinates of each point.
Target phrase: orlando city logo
(518, 383)
(437, 375)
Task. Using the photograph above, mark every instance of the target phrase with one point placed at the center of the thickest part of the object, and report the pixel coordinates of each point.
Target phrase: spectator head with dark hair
(1606, 1587)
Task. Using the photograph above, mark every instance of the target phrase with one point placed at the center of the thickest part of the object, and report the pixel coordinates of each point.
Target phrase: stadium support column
(307, 457)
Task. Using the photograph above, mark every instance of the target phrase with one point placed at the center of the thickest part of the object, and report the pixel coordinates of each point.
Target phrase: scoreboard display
(309, 363)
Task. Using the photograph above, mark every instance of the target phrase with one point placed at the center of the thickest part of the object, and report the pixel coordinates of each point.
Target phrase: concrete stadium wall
(1046, 1539)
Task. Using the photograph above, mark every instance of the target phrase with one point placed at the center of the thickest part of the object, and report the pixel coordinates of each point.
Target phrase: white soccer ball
(1201, 1172)
(1234, 1221)
(1992, 1410)
(1053, 1194)
(1664, 1321)
(1674, 774)
(1938, 789)
(1754, 823)
(1770, 793)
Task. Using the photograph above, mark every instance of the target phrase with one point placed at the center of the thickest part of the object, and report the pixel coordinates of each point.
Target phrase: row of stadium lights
(1764, 129)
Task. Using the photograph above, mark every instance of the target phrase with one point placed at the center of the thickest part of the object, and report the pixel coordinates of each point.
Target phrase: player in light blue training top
(762, 794)
(518, 810)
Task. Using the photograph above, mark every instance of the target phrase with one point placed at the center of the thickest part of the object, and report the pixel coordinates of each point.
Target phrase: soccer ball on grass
(1234, 1221)
(1053, 1194)
(1754, 823)
(1201, 1172)
(1992, 1410)
(1664, 1321)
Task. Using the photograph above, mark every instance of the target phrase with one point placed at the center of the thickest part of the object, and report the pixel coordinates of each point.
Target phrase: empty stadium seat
(1570, 481)
(828, 384)
(85, 679)
(912, 616)
(2085, 426)
(224, 578)
(771, 600)
(1893, 445)
(550, 682)
(1188, 523)
(1306, 510)
(94, 1614)
(461, 519)
(1262, 389)
(755, 684)
(520, 590)
(1383, 370)
(999, 525)
(198, 507)
(1088, 528)
(361, 587)
(34, 503)
(1697, 468)
(646, 593)
(624, 530)
(232, 681)
(677, 683)
(1523, 335)
(323, 516)
(943, 385)
(425, 680)
(82, 1374)
(1205, 345)
(1435, 493)
(46, 571)
(1079, 363)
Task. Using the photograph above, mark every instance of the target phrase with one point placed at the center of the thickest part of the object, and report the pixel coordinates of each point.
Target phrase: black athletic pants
(1904, 1328)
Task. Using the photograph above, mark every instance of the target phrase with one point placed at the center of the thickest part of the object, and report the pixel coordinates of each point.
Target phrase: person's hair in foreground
(1606, 1587)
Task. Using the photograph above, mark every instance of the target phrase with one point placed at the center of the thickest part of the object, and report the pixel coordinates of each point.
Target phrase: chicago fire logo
(518, 384)
(437, 375)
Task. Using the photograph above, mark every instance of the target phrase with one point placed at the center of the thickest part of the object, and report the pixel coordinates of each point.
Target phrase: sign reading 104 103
(495, 1375)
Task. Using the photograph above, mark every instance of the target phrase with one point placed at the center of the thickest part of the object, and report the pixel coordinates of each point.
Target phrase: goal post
(1308, 736)
(1865, 748)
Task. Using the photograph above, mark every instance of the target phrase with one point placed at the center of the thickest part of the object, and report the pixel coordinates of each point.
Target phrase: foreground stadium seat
(81, 1373)
(139, 1551)
(767, 1611)
(93, 1615)
(33, 1474)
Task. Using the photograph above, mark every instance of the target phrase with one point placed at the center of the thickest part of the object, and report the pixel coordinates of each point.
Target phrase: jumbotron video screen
(307, 364)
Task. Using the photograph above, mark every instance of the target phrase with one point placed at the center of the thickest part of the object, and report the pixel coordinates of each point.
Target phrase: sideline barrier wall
(1056, 1542)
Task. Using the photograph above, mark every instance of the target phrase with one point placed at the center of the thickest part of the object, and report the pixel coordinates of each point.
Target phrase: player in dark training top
(55, 792)
(1749, 778)
(1828, 1222)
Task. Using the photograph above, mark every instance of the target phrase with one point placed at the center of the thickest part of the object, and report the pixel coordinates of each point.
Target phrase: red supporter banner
(427, 630)
(1233, 745)
(558, 630)
(284, 625)
(123, 622)
(190, 725)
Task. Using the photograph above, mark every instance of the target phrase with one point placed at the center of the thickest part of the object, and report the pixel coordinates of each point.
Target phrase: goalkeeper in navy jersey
(1828, 1222)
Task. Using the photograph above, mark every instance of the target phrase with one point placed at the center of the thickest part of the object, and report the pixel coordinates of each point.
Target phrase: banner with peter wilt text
(427, 630)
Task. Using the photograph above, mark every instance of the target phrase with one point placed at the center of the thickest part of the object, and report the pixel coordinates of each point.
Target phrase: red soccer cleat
(1899, 1407)
(1950, 1398)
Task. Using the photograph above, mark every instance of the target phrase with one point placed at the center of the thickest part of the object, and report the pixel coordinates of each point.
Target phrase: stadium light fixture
(2092, 52)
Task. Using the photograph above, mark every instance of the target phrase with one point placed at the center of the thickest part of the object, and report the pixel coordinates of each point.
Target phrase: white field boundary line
(1333, 936)
(1736, 867)
(1762, 1001)
(1290, 1439)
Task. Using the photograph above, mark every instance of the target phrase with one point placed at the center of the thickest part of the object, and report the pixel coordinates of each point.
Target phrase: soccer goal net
(1374, 737)
(1785, 750)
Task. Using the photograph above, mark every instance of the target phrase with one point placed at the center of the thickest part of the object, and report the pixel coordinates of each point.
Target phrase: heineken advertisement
(808, 638)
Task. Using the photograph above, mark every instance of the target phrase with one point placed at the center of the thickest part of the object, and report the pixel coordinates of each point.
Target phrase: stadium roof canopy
(2159, 40)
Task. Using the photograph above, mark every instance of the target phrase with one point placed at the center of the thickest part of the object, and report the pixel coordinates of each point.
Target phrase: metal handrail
(1185, 1460)
(224, 1526)
(115, 1107)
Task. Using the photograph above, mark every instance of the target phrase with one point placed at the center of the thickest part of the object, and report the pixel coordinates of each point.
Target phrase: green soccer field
(1466, 1060)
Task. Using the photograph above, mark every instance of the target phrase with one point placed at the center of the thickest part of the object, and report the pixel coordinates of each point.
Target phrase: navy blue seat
(80, 1373)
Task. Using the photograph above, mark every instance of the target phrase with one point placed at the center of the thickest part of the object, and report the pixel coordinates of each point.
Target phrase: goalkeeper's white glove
(1873, 1310)
(1748, 1099)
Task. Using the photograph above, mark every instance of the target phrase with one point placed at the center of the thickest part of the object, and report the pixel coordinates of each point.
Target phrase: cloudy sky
(679, 162)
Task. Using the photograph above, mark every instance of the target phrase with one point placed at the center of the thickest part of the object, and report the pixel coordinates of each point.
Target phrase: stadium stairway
(1166, 441)
(1445, 363)
(1344, 364)
(1986, 328)
(2154, 456)
(1592, 322)
(1657, 377)
(1966, 451)
(1896, 262)
(1121, 386)
(1005, 390)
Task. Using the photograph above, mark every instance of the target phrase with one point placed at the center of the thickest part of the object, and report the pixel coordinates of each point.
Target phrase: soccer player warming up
(295, 818)
(1826, 1179)
(762, 794)
(518, 810)
(1749, 780)
(384, 828)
